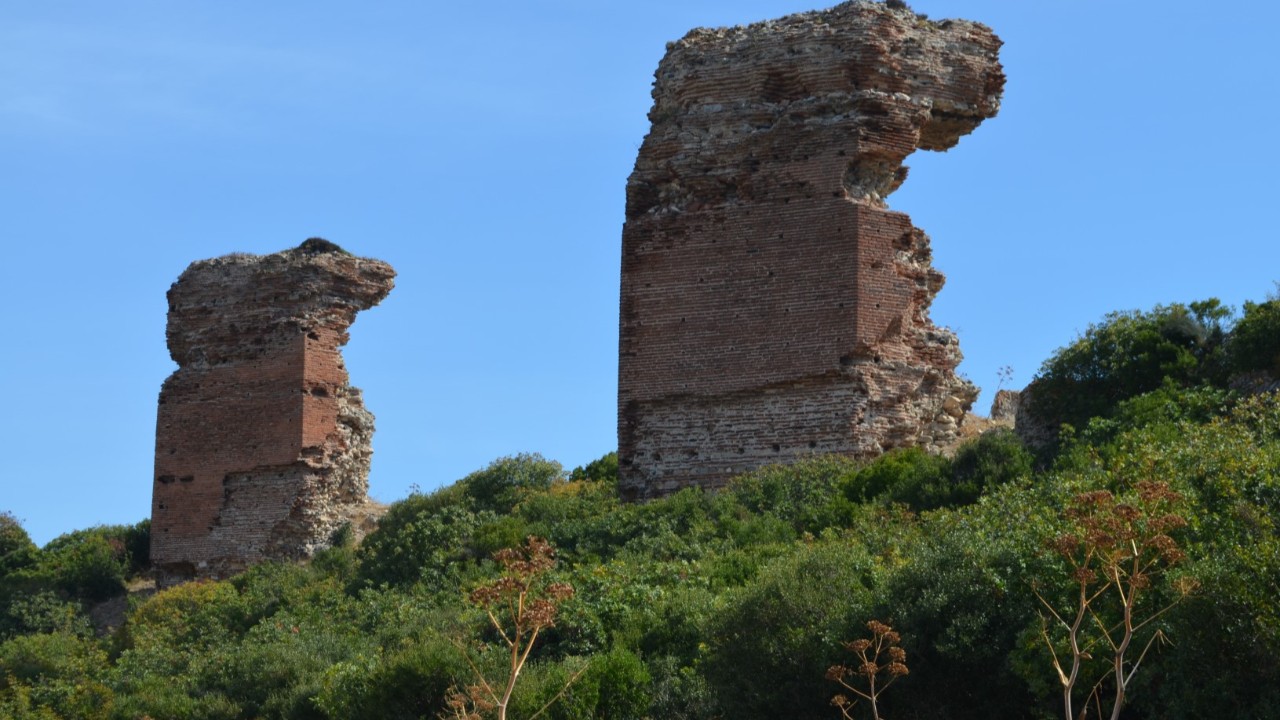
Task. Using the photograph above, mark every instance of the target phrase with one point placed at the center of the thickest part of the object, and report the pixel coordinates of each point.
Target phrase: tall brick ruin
(772, 305)
(262, 446)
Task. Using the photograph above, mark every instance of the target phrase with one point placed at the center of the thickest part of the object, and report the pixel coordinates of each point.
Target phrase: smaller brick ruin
(262, 446)
(773, 306)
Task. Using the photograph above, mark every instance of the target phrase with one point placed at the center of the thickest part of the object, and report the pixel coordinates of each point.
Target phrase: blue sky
(483, 149)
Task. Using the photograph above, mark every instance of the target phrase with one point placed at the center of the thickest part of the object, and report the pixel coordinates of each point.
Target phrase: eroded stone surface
(772, 305)
(262, 446)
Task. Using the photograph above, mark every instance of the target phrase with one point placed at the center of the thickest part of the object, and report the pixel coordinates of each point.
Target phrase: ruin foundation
(772, 306)
(262, 446)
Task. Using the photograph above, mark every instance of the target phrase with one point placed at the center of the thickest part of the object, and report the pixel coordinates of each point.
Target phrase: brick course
(262, 447)
(772, 306)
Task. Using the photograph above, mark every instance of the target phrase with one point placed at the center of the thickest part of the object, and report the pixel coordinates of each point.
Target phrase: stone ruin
(262, 446)
(773, 307)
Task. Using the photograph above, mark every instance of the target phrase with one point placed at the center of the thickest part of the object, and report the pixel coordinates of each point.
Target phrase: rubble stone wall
(772, 306)
(262, 446)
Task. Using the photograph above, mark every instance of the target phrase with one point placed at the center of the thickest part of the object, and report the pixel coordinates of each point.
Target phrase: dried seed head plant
(878, 656)
(520, 605)
(1115, 548)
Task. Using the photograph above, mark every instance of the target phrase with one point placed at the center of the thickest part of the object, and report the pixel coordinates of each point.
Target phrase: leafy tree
(1255, 340)
(506, 481)
(421, 539)
(16, 549)
(1128, 354)
(771, 645)
(601, 470)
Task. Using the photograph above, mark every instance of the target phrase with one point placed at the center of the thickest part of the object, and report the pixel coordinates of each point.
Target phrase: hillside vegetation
(743, 603)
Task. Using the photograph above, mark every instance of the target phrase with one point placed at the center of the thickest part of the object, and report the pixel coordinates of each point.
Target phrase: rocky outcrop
(262, 446)
(1004, 408)
(772, 305)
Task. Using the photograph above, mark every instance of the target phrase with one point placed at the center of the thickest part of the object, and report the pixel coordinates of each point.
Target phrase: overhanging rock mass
(262, 446)
(772, 306)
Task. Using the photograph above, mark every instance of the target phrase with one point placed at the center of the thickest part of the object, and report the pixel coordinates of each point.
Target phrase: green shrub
(609, 686)
(59, 671)
(603, 470)
(40, 612)
(680, 692)
(1224, 648)
(773, 642)
(17, 552)
(192, 617)
(994, 458)
(1165, 407)
(961, 599)
(1128, 354)
(802, 494)
(420, 540)
(279, 667)
(406, 684)
(1255, 340)
(89, 565)
(173, 697)
(908, 475)
(506, 481)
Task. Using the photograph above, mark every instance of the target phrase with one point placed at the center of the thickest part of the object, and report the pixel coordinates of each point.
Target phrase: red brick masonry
(262, 447)
(772, 306)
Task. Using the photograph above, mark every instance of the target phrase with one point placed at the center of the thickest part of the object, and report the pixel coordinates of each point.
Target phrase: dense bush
(508, 480)
(16, 549)
(1255, 340)
(420, 539)
(706, 605)
(910, 475)
(771, 645)
(1128, 354)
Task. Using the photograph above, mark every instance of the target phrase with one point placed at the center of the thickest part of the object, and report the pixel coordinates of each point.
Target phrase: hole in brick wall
(187, 478)
(813, 444)
(313, 336)
(777, 447)
(161, 506)
(319, 392)
(742, 451)
(172, 450)
(165, 479)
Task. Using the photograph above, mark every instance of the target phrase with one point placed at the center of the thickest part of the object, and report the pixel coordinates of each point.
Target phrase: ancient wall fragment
(772, 305)
(262, 446)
